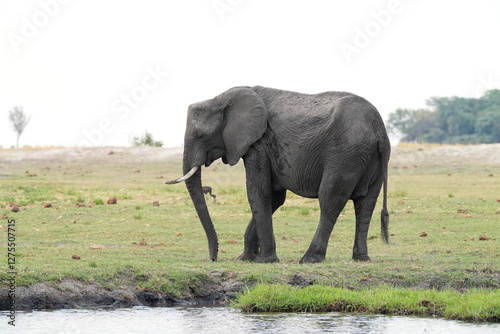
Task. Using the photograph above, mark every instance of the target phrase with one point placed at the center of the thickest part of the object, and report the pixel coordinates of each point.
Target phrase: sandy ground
(484, 154)
(9, 158)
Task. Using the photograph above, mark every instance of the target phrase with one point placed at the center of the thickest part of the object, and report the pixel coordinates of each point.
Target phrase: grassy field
(164, 247)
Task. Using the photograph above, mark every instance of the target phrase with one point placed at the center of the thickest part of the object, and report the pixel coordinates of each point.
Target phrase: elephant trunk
(193, 185)
(192, 177)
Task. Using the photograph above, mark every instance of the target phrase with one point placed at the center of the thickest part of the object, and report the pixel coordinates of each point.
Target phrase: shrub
(146, 139)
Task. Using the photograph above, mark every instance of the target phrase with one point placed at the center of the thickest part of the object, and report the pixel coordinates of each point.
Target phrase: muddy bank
(71, 293)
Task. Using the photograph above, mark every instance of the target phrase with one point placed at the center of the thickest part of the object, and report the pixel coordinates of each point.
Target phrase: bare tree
(19, 120)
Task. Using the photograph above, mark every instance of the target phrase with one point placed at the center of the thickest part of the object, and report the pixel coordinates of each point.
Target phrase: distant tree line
(450, 120)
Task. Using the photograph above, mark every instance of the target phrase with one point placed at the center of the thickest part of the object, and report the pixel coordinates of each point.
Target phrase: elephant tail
(384, 151)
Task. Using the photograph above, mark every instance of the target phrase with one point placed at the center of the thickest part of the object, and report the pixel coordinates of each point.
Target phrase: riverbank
(74, 250)
(299, 294)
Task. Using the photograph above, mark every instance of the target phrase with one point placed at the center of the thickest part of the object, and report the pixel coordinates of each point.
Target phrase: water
(225, 320)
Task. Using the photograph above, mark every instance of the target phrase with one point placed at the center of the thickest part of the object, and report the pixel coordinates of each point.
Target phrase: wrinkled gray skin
(332, 146)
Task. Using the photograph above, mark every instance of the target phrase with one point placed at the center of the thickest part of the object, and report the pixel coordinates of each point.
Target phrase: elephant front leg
(252, 246)
(260, 198)
(262, 216)
(251, 249)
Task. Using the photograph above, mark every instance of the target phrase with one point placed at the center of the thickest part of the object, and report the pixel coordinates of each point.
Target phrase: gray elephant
(332, 146)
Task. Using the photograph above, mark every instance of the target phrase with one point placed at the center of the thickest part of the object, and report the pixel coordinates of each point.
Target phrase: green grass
(400, 193)
(164, 247)
(473, 305)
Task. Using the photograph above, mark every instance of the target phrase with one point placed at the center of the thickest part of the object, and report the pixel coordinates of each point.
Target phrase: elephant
(332, 146)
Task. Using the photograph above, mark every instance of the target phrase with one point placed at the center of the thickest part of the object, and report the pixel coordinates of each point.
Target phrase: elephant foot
(312, 259)
(267, 259)
(358, 257)
(247, 256)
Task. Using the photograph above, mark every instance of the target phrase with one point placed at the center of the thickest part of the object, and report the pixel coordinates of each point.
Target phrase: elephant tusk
(185, 177)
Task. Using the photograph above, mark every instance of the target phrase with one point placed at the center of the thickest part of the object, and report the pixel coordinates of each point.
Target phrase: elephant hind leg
(364, 207)
(332, 199)
(252, 246)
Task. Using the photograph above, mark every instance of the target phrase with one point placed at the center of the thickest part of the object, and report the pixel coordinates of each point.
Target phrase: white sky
(82, 68)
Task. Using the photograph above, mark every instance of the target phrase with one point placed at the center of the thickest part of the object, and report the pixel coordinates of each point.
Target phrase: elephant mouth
(185, 177)
(214, 154)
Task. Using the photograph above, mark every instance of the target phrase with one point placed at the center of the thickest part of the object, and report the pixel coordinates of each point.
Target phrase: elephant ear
(245, 118)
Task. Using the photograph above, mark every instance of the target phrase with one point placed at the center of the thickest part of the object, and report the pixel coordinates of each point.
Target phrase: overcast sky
(99, 72)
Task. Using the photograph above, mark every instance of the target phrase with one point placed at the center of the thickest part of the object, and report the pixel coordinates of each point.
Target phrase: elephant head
(223, 127)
